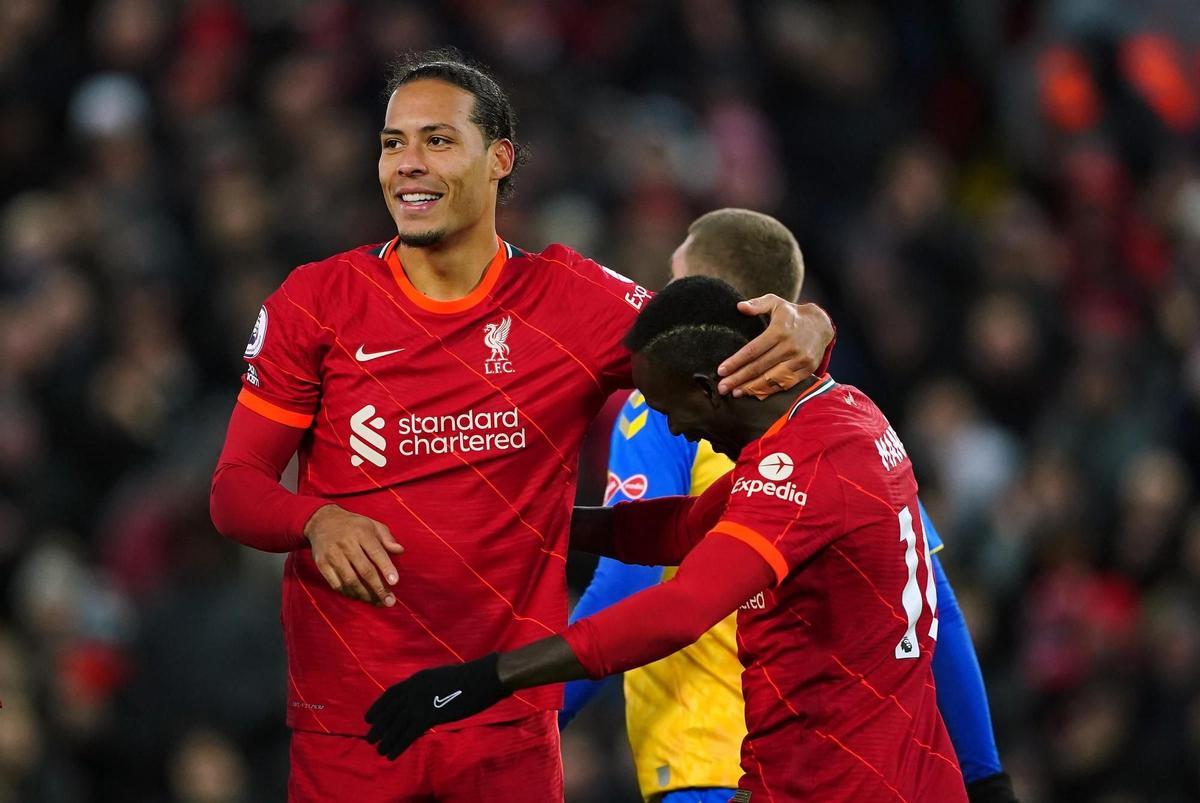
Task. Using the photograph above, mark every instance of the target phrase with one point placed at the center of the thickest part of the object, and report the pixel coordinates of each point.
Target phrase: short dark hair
(692, 325)
(754, 252)
(493, 111)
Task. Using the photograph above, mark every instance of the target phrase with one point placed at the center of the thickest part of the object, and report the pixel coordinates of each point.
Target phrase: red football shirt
(840, 701)
(457, 424)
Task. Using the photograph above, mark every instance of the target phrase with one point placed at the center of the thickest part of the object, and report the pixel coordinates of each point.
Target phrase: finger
(369, 578)
(389, 740)
(747, 353)
(377, 707)
(382, 560)
(387, 539)
(351, 587)
(385, 733)
(757, 368)
(402, 743)
(385, 719)
(331, 577)
(762, 305)
(390, 744)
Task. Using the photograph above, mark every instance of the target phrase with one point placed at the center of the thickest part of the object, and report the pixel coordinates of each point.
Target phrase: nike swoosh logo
(364, 356)
(440, 702)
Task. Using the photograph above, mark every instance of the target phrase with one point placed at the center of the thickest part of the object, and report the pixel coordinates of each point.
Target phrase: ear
(708, 386)
(504, 156)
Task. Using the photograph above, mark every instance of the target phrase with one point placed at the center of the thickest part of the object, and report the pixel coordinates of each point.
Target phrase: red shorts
(506, 761)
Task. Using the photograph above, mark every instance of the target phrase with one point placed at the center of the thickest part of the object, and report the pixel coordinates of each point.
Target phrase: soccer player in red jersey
(818, 547)
(437, 388)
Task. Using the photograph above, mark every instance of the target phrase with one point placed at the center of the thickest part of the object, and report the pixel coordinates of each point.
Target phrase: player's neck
(760, 416)
(452, 268)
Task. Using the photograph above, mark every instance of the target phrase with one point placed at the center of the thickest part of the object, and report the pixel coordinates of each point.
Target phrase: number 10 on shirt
(911, 598)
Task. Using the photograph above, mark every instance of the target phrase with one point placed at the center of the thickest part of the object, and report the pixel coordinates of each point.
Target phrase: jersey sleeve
(282, 379)
(786, 503)
(961, 694)
(606, 304)
(712, 581)
(931, 534)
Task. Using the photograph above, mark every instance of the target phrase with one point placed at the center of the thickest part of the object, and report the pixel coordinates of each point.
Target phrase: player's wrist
(314, 521)
(487, 672)
(996, 788)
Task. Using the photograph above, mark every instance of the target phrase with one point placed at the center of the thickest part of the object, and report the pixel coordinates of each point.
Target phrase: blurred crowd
(998, 200)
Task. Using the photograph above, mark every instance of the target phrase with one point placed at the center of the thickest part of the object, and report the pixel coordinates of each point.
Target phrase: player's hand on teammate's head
(354, 554)
(432, 697)
(788, 351)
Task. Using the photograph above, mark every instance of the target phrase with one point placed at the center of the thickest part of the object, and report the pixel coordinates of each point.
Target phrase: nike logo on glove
(364, 356)
(440, 702)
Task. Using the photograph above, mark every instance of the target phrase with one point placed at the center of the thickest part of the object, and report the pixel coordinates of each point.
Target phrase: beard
(423, 239)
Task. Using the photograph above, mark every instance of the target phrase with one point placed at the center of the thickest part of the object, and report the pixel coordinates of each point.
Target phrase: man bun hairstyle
(752, 251)
(692, 325)
(493, 112)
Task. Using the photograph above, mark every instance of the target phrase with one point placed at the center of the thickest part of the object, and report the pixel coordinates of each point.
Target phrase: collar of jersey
(822, 385)
(490, 274)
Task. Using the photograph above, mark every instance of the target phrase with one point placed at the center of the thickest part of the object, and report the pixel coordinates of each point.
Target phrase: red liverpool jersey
(840, 701)
(457, 424)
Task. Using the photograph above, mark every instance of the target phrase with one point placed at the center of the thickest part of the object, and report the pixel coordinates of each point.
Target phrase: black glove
(432, 697)
(992, 789)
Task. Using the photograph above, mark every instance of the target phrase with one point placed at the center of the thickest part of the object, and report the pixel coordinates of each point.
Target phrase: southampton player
(437, 388)
(684, 713)
(819, 550)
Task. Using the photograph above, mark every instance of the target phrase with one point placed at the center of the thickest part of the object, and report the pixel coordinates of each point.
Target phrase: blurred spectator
(207, 768)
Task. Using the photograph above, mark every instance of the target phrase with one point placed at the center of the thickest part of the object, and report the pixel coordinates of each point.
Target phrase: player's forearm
(962, 697)
(652, 532)
(719, 575)
(547, 661)
(246, 501)
(255, 510)
(554, 660)
(591, 530)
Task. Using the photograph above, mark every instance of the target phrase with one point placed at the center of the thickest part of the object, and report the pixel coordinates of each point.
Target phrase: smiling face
(692, 406)
(438, 174)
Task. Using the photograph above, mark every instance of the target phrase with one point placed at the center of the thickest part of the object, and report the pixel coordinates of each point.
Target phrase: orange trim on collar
(783, 419)
(490, 275)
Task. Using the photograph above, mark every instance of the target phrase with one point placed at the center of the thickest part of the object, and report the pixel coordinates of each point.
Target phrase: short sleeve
(608, 303)
(786, 503)
(282, 378)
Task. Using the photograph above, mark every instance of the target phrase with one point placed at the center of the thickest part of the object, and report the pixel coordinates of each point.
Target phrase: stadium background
(998, 201)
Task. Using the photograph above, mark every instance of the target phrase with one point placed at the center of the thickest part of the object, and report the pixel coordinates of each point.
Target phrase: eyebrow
(425, 129)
